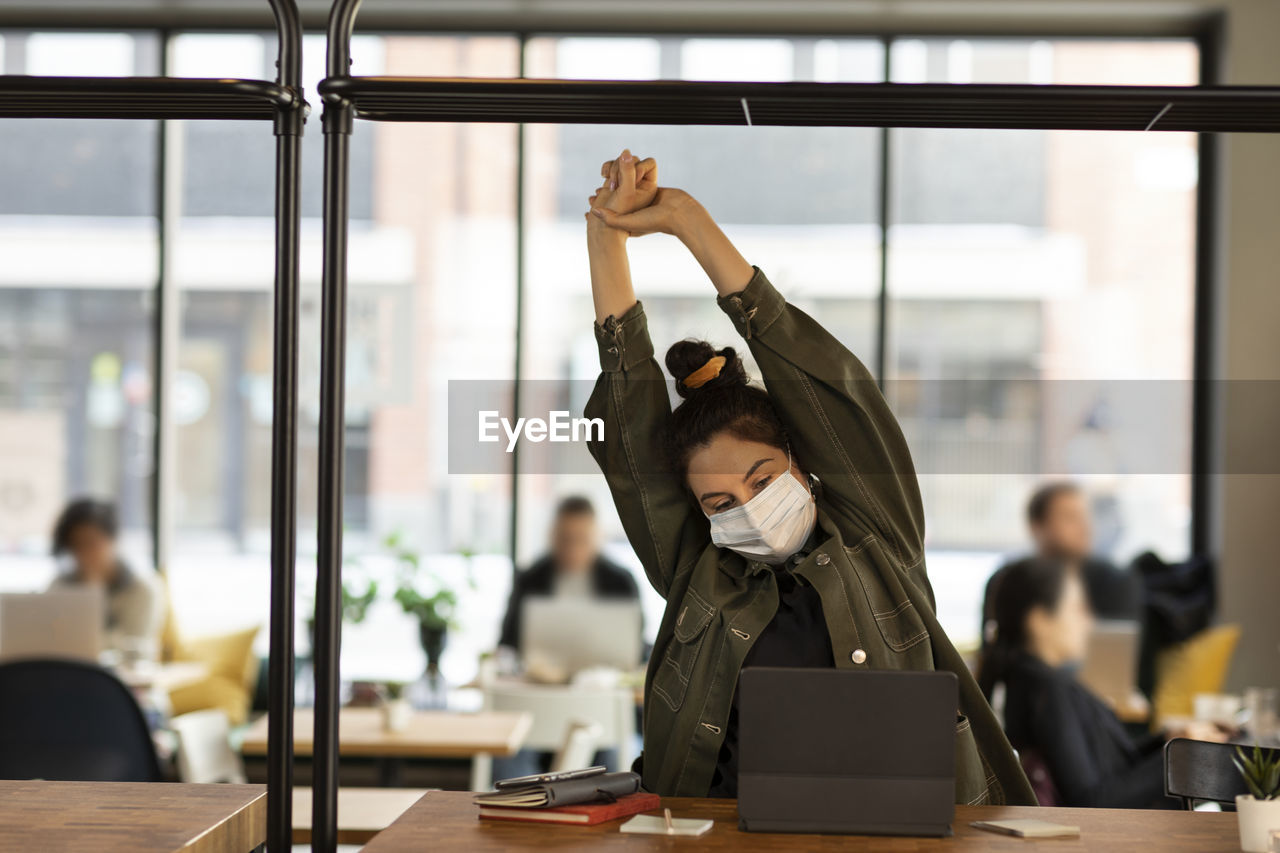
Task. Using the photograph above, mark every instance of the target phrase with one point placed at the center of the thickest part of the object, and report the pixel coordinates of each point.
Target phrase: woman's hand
(631, 182)
(632, 204)
(668, 213)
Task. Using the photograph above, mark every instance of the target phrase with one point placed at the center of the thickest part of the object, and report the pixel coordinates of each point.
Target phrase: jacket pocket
(973, 780)
(895, 616)
(671, 681)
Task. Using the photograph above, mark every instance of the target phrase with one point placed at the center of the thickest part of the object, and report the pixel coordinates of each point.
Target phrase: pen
(666, 815)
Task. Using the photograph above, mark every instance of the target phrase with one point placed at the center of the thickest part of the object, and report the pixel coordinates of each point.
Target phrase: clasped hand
(630, 199)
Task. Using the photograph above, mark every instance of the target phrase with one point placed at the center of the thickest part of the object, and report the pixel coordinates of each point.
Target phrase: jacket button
(858, 656)
(822, 559)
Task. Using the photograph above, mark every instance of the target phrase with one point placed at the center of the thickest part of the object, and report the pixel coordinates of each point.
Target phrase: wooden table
(446, 820)
(362, 812)
(430, 734)
(138, 817)
(167, 676)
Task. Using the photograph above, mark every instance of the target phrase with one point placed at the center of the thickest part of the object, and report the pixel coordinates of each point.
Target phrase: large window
(1028, 281)
(1041, 282)
(78, 265)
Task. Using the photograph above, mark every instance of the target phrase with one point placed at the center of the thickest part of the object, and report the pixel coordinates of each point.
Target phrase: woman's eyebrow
(753, 468)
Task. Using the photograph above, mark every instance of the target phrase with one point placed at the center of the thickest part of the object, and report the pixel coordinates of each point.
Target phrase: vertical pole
(328, 622)
(1206, 397)
(284, 436)
(514, 531)
(169, 161)
(337, 125)
(882, 214)
(284, 460)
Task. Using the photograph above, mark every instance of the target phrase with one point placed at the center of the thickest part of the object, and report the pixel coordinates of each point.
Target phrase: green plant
(435, 608)
(356, 606)
(393, 690)
(1260, 771)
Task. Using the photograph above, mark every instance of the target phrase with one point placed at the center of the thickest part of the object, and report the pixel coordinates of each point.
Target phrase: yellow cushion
(233, 669)
(215, 691)
(1198, 665)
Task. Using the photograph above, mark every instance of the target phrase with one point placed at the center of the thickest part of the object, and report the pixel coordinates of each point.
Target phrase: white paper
(651, 825)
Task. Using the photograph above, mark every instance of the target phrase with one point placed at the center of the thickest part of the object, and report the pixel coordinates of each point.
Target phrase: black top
(797, 636)
(608, 580)
(1091, 758)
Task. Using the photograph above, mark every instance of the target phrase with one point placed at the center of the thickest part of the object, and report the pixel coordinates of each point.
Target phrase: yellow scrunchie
(706, 373)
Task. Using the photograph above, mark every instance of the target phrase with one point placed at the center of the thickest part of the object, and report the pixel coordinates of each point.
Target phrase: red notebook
(585, 814)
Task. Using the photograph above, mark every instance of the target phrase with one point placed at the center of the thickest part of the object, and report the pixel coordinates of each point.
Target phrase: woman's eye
(722, 507)
(762, 483)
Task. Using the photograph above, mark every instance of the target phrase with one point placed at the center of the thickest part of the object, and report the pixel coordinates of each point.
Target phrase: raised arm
(631, 397)
(835, 414)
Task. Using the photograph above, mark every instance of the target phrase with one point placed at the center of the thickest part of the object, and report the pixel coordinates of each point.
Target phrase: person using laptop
(573, 569)
(85, 544)
(1042, 626)
(782, 524)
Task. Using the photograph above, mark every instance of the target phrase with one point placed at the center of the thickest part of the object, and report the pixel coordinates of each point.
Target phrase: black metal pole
(284, 436)
(882, 215)
(518, 365)
(328, 630)
(1204, 401)
(337, 125)
(157, 329)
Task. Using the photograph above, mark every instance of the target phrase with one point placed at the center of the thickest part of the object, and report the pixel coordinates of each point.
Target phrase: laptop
(846, 751)
(1110, 667)
(569, 635)
(60, 623)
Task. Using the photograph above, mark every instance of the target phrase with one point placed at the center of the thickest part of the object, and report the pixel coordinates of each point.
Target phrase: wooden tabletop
(362, 812)
(430, 734)
(446, 820)
(167, 676)
(138, 817)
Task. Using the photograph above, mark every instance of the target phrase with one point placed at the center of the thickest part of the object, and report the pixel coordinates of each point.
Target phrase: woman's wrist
(689, 219)
(599, 234)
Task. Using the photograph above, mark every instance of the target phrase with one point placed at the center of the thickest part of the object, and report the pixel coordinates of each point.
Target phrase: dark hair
(1019, 588)
(575, 505)
(1042, 501)
(81, 512)
(726, 403)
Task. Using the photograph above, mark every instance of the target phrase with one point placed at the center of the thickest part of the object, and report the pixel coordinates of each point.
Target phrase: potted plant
(396, 709)
(426, 597)
(1259, 810)
(358, 592)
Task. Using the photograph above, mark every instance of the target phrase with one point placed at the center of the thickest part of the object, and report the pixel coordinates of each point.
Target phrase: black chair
(1197, 770)
(71, 721)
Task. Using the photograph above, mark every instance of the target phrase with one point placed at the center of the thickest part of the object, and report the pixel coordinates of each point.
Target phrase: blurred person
(85, 544)
(572, 568)
(1042, 627)
(1061, 526)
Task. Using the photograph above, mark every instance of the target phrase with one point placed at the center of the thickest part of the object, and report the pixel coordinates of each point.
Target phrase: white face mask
(771, 526)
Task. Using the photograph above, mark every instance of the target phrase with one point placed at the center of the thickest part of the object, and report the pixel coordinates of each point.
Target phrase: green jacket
(868, 566)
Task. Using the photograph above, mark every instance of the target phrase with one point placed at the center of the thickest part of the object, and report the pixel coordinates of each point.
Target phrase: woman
(86, 534)
(783, 527)
(1042, 625)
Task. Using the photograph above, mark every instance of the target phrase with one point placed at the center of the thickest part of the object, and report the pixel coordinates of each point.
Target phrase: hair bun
(687, 356)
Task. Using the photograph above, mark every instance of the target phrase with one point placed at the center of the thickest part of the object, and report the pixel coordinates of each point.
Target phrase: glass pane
(77, 286)
(1040, 323)
(431, 299)
(799, 202)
